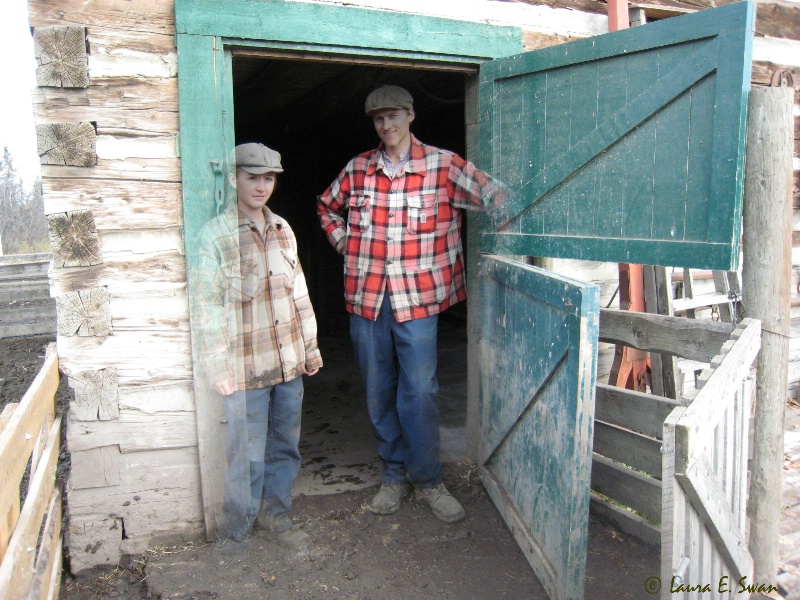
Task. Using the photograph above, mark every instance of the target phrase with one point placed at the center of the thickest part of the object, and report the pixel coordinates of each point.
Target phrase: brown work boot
(281, 529)
(444, 506)
(388, 499)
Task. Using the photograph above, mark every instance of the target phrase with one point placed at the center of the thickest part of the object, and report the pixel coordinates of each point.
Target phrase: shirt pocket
(421, 214)
(282, 265)
(426, 287)
(243, 281)
(358, 218)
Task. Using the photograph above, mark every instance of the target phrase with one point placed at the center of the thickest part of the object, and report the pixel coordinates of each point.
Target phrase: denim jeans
(263, 457)
(398, 365)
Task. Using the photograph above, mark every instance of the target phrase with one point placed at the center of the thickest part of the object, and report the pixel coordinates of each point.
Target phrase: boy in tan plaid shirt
(259, 336)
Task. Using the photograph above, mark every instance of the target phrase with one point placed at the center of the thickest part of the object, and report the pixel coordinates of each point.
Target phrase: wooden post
(766, 272)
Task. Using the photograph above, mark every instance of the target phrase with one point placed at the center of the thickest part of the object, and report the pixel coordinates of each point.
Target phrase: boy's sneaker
(444, 506)
(388, 499)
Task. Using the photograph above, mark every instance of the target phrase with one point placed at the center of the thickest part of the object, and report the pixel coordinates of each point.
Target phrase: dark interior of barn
(312, 112)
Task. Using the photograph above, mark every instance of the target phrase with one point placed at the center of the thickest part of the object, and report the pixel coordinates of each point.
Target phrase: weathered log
(142, 358)
(533, 40)
(96, 395)
(135, 169)
(61, 57)
(116, 204)
(94, 468)
(84, 313)
(74, 239)
(66, 144)
(156, 16)
(767, 233)
(777, 20)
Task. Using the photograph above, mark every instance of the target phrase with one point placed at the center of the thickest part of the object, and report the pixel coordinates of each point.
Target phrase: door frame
(207, 32)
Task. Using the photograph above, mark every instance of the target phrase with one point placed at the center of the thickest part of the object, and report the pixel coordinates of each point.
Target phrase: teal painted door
(538, 351)
(626, 147)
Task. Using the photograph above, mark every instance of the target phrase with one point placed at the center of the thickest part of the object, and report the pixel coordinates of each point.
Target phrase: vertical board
(206, 121)
(538, 352)
(625, 147)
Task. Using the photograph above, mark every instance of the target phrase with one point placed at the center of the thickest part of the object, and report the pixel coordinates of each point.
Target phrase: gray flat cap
(388, 96)
(257, 159)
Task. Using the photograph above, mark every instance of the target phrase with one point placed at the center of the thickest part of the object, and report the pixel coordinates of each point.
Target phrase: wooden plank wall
(123, 334)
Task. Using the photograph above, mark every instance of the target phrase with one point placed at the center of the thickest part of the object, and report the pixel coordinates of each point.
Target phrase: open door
(539, 353)
(626, 147)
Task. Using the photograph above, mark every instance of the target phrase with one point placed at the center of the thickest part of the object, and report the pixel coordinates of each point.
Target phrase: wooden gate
(704, 479)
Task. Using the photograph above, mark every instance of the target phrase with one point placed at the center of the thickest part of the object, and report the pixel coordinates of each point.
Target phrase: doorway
(312, 112)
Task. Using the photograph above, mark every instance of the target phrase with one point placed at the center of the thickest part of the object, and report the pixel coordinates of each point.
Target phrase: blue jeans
(263, 457)
(398, 365)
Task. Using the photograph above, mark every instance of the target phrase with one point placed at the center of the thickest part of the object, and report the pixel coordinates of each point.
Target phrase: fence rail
(30, 529)
(26, 307)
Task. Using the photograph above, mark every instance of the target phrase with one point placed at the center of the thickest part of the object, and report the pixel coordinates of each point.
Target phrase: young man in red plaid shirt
(395, 214)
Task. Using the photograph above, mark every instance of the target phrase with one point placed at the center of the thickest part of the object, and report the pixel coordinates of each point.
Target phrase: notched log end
(85, 313)
(67, 144)
(96, 395)
(61, 57)
(74, 239)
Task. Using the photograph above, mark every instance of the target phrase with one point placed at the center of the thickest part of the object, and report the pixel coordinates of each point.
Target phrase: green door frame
(207, 30)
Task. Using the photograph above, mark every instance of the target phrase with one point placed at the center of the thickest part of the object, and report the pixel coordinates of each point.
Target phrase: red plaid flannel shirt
(403, 234)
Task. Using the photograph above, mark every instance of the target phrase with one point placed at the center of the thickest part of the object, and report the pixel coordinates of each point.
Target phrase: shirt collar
(415, 163)
(247, 220)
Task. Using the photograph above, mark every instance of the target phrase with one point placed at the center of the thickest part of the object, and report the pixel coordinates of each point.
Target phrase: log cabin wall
(107, 124)
(106, 112)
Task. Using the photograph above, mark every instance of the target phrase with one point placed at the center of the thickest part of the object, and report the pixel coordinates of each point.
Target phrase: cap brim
(372, 111)
(261, 170)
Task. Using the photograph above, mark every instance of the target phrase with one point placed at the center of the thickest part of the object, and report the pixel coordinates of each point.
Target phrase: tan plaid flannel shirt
(256, 319)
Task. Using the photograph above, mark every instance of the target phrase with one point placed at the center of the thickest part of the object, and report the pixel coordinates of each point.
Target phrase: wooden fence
(26, 307)
(30, 538)
(674, 472)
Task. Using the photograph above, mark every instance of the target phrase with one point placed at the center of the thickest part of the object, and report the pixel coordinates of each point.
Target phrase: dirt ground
(356, 555)
(353, 553)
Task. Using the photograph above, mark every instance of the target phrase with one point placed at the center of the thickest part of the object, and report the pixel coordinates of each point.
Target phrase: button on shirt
(403, 231)
(257, 322)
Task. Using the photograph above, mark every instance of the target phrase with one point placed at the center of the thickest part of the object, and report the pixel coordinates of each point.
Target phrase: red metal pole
(631, 366)
(618, 15)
